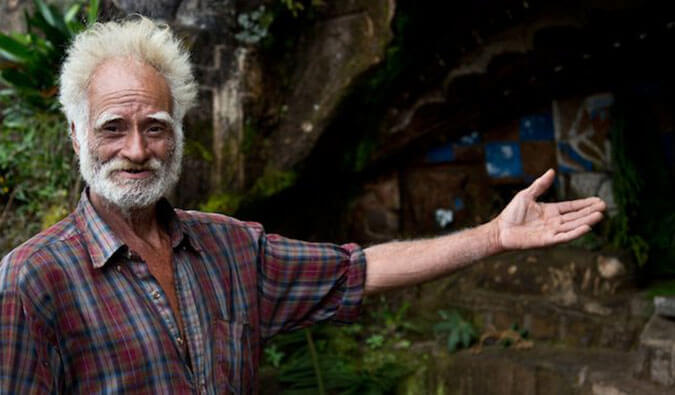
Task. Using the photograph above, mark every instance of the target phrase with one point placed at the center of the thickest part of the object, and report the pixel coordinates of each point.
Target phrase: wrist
(493, 237)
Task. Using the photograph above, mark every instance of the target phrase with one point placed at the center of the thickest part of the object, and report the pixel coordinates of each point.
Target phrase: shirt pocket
(232, 358)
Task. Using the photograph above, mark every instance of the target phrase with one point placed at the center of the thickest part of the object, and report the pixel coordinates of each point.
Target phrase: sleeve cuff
(354, 286)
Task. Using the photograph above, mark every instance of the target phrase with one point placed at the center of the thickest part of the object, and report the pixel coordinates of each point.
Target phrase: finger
(589, 220)
(541, 184)
(593, 207)
(573, 205)
(571, 235)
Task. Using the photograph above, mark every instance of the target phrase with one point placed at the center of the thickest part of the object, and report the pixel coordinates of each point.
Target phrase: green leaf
(466, 338)
(13, 50)
(17, 79)
(445, 326)
(52, 16)
(55, 35)
(92, 12)
(453, 340)
(70, 15)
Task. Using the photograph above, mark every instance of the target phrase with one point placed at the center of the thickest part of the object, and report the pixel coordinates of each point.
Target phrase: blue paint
(446, 152)
(537, 127)
(441, 154)
(472, 138)
(503, 160)
(566, 149)
(459, 203)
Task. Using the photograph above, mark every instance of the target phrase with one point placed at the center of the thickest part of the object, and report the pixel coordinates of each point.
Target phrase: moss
(250, 133)
(272, 182)
(226, 203)
(53, 214)
(416, 383)
(665, 288)
(195, 149)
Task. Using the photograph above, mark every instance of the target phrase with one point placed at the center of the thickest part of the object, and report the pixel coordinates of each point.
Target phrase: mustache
(118, 164)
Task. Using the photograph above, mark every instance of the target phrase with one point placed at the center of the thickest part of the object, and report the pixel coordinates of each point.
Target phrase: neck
(132, 226)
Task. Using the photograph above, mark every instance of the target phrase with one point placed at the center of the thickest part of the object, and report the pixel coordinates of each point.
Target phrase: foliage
(196, 149)
(342, 361)
(375, 341)
(392, 322)
(254, 25)
(627, 185)
(295, 6)
(31, 60)
(37, 177)
(645, 221)
(460, 333)
(273, 356)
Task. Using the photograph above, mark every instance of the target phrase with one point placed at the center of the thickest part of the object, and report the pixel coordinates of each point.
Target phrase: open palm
(526, 223)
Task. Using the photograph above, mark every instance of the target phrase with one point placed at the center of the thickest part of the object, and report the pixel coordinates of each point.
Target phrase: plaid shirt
(80, 312)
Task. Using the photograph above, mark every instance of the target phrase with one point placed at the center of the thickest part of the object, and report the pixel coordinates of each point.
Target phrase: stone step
(562, 295)
(657, 352)
(614, 324)
(542, 370)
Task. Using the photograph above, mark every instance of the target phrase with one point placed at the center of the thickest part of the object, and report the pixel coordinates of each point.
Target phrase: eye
(156, 128)
(112, 128)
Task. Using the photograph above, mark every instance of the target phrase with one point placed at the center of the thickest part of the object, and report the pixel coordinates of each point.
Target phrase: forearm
(403, 263)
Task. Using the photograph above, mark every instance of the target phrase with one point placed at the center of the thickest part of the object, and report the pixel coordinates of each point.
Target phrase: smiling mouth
(135, 173)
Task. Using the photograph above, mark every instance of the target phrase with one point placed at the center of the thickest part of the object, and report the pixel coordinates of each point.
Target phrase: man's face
(131, 157)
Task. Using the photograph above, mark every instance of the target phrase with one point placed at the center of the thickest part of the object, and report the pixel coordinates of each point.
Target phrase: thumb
(541, 184)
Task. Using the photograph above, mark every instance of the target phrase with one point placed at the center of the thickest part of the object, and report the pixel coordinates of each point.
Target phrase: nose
(136, 147)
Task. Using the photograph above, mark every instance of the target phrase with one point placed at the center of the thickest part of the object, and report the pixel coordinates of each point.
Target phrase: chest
(112, 323)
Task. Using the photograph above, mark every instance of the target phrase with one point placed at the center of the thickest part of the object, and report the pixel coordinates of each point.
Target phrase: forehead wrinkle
(135, 98)
(128, 94)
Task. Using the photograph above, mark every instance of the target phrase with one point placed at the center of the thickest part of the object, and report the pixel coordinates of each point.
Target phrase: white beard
(131, 194)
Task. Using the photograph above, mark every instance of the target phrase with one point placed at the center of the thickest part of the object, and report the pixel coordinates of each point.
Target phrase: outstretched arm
(524, 223)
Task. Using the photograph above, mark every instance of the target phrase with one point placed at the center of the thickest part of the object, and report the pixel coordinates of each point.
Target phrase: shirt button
(118, 268)
(179, 340)
(156, 295)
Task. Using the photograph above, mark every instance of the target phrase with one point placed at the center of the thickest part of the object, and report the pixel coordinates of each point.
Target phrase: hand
(524, 223)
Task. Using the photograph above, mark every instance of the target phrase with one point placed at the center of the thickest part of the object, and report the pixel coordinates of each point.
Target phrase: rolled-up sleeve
(301, 283)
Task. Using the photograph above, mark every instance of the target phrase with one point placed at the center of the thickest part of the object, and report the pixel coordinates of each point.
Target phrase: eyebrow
(162, 116)
(105, 118)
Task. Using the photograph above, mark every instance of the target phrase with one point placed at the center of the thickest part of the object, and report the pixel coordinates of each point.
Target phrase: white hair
(141, 39)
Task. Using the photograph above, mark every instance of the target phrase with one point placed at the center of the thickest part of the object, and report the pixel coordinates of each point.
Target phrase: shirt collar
(102, 243)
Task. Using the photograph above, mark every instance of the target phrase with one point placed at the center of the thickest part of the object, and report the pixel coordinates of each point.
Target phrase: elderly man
(130, 295)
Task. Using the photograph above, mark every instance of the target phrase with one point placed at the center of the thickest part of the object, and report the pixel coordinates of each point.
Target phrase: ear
(73, 139)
